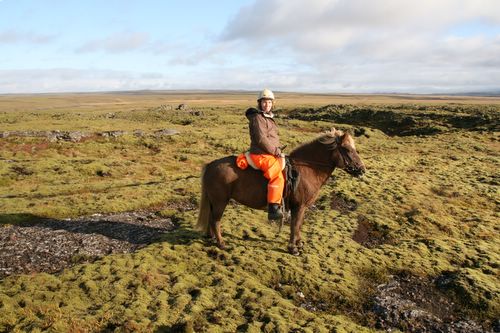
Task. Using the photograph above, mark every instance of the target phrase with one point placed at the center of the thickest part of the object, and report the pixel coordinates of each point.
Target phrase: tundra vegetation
(419, 232)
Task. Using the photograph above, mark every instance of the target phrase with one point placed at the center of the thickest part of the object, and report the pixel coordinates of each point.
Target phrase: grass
(436, 196)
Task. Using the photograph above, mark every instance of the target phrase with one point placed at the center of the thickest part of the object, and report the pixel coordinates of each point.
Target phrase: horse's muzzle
(356, 172)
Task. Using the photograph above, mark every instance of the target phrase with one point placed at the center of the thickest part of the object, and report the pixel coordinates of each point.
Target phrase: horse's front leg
(296, 223)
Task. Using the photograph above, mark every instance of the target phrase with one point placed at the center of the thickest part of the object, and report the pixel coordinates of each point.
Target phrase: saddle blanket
(243, 160)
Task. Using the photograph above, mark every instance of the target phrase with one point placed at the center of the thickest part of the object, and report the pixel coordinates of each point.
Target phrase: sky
(327, 46)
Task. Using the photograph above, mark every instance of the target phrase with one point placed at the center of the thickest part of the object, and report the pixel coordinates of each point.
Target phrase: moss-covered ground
(434, 198)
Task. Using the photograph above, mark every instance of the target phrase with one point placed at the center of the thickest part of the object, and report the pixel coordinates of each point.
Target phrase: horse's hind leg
(218, 235)
(215, 224)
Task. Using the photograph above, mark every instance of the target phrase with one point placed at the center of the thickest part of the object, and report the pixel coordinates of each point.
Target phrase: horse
(315, 161)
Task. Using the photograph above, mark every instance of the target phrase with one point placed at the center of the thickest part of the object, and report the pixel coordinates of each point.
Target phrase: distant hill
(242, 91)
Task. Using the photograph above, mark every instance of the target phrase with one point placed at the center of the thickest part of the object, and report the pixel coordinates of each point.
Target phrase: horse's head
(344, 153)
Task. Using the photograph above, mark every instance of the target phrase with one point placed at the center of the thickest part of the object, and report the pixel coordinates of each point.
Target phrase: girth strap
(292, 178)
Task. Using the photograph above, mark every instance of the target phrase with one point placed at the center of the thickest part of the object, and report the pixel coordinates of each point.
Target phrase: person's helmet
(266, 93)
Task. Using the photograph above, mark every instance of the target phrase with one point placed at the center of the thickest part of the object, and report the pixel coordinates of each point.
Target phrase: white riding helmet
(266, 93)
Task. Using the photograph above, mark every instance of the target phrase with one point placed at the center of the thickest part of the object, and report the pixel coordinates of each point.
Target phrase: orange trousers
(271, 166)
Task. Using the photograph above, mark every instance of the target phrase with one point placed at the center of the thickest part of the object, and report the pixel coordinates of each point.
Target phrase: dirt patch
(416, 304)
(49, 245)
(343, 204)
(371, 235)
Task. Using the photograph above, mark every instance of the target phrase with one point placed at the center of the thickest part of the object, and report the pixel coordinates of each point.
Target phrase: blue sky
(425, 46)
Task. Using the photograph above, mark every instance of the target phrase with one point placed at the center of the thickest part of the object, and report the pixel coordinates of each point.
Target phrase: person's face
(266, 104)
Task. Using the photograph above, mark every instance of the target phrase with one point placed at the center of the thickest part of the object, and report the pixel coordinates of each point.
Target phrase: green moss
(431, 201)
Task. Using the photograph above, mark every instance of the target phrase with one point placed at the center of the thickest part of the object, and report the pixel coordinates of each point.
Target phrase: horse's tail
(205, 207)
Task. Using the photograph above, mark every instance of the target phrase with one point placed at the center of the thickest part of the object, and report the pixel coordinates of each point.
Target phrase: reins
(301, 162)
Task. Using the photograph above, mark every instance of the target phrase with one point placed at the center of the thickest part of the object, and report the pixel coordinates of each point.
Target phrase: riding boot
(274, 213)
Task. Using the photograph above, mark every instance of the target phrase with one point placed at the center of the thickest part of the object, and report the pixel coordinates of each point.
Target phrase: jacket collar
(252, 111)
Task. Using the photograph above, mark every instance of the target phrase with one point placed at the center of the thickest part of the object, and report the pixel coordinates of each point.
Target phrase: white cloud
(75, 80)
(297, 20)
(385, 45)
(117, 43)
(13, 37)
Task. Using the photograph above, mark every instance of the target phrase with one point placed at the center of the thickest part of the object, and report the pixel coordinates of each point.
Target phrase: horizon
(439, 47)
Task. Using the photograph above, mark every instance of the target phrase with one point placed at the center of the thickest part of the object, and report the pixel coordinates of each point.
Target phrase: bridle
(346, 158)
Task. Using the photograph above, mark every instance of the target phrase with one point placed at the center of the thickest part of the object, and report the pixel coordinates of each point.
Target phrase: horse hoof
(221, 246)
(294, 251)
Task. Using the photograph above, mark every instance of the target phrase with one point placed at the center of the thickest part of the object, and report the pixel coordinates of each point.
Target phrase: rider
(265, 150)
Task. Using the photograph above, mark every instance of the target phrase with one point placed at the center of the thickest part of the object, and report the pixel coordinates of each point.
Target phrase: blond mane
(330, 137)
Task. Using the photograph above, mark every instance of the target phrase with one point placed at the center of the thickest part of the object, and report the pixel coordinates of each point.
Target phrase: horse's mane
(328, 138)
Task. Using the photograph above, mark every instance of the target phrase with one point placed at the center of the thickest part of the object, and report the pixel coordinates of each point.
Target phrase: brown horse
(315, 161)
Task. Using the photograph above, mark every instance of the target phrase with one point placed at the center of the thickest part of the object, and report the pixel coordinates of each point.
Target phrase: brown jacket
(263, 133)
